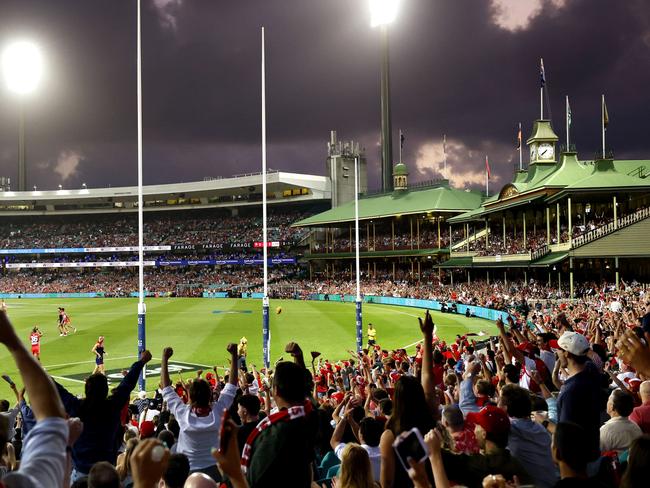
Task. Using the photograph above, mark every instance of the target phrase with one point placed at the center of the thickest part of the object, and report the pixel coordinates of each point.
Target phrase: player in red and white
(35, 340)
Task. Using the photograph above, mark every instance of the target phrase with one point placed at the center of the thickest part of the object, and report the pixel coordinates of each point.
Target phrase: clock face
(533, 152)
(546, 151)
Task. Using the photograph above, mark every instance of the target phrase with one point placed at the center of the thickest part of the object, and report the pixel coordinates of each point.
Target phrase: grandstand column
(548, 226)
(557, 219)
(417, 230)
(559, 280)
(368, 238)
(503, 219)
(311, 271)
(505, 278)
(570, 223)
(525, 276)
(615, 212)
(374, 236)
(393, 270)
(374, 270)
(450, 239)
(420, 270)
(487, 276)
(411, 223)
(451, 276)
(469, 279)
(412, 268)
(392, 233)
(524, 228)
(467, 236)
(618, 276)
(514, 224)
(571, 278)
(487, 231)
(549, 277)
(350, 239)
(438, 221)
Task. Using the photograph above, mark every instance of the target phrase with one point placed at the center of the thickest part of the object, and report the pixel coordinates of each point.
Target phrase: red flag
(487, 167)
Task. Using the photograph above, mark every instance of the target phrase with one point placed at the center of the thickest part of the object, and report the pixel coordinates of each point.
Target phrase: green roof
(542, 130)
(437, 199)
(400, 169)
(378, 254)
(604, 176)
(569, 170)
(550, 258)
(457, 262)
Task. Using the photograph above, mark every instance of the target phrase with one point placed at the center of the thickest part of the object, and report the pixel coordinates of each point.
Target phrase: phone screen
(410, 447)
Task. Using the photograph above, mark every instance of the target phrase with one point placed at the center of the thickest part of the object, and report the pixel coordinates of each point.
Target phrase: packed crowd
(178, 228)
(559, 398)
(384, 241)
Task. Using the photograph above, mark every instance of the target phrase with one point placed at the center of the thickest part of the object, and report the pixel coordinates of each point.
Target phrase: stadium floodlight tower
(382, 14)
(266, 328)
(142, 309)
(22, 65)
(359, 322)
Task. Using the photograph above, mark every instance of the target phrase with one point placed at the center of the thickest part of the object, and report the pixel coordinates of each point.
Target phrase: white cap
(575, 343)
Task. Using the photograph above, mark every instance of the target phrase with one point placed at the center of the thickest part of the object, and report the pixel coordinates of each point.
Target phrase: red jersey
(35, 339)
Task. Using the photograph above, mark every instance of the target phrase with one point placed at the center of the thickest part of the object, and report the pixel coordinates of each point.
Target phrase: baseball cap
(575, 343)
(147, 429)
(493, 419)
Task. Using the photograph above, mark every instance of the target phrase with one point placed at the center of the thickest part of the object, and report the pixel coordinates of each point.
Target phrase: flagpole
(265, 299)
(142, 309)
(487, 178)
(602, 120)
(359, 321)
(401, 143)
(567, 123)
(521, 163)
(541, 89)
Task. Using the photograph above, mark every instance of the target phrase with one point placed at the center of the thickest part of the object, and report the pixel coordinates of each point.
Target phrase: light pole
(22, 65)
(383, 13)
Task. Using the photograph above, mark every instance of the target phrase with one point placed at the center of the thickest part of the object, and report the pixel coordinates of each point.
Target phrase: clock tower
(542, 143)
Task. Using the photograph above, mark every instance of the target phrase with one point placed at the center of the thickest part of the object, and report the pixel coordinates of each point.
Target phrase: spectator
(619, 431)
(43, 461)
(356, 469)
(641, 414)
(282, 445)
(528, 442)
(637, 472)
(100, 414)
(248, 409)
(369, 433)
(200, 419)
(104, 475)
(464, 440)
(579, 398)
(178, 469)
(572, 456)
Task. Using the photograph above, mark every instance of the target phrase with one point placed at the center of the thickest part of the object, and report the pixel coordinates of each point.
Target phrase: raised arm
(428, 381)
(165, 381)
(232, 349)
(42, 393)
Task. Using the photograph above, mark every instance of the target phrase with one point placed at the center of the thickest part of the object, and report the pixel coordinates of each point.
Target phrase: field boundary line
(65, 378)
(87, 362)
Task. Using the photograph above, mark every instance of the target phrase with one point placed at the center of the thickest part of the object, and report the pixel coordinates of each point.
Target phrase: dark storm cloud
(454, 70)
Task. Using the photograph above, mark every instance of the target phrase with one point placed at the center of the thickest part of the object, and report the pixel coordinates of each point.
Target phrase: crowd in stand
(169, 229)
(559, 398)
(427, 239)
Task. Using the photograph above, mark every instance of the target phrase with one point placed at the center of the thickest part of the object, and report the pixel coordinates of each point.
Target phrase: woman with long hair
(414, 405)
(123, 465)
(356, 470)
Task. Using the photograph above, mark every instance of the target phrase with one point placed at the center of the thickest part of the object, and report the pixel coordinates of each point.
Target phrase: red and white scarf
(291, 413)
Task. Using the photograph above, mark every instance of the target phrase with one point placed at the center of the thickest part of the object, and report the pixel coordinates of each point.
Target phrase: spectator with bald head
(641, 414)
(199, 480)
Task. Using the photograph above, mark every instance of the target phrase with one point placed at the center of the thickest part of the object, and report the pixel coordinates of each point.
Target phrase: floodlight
(383, 12)
(22, 65)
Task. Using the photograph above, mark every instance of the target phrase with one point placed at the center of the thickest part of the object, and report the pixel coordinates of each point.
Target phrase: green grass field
(199, 329)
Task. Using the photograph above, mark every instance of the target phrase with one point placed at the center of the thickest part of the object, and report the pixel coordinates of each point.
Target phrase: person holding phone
(414, 406)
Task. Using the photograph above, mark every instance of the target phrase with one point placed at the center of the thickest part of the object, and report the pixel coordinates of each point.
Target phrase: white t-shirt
(198, 434)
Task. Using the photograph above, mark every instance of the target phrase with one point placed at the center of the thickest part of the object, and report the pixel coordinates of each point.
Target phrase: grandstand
(559, 219)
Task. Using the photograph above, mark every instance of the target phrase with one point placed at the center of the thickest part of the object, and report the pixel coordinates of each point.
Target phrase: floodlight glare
(22, 65)
(383, 12)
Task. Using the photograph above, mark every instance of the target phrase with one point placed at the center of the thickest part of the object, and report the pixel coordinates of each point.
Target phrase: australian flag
(542, 74)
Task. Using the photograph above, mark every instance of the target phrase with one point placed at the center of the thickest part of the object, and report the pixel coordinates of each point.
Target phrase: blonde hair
(356, 470)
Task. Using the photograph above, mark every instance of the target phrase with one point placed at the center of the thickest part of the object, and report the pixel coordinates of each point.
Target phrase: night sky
(465, 68)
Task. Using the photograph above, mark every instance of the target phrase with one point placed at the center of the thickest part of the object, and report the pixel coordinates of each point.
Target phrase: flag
(568, 112)
(519, 137)
(444, 144)
(605, 114)
(487, 166)
(542, 74)
(401, 140)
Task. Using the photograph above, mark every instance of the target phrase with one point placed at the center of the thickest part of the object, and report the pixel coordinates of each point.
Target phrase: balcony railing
(611, 227)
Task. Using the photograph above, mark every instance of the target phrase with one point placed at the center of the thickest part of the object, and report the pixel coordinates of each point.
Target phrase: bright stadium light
(383, 12)
(22, 65)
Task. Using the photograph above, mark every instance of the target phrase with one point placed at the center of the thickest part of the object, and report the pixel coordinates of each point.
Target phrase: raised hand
(232, 348)
(167, 353)
(427, 325)
(634, 352)
(148, 463)
(145, 357)
(293, 348)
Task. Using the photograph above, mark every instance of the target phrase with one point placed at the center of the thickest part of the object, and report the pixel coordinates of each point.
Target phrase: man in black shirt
(248, 409)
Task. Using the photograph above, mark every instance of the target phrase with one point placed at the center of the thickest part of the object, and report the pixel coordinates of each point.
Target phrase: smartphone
(410, 445)
(224, 436)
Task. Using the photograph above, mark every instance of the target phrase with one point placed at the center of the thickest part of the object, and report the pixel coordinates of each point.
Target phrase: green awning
(503, 264)
(550, 258)
(463, 262)
(377, 254)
